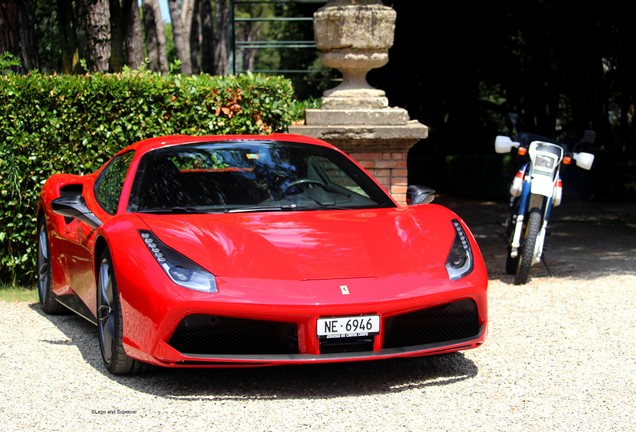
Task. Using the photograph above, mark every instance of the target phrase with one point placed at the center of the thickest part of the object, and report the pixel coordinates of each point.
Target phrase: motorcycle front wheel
(526, 251)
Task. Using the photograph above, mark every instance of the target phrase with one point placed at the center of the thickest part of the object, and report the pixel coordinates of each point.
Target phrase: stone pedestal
(354, 36)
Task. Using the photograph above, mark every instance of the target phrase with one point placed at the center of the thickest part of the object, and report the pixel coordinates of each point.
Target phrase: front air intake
(211, 334)
(458, 320)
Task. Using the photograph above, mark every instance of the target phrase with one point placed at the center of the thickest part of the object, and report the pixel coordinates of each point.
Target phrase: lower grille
(211, 334)
(201, 334)
(448, 322)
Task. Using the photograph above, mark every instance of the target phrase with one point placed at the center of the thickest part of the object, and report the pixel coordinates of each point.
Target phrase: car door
(107, 194)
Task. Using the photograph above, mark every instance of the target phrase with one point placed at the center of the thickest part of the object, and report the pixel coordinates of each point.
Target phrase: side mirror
(504, 144)
(74, 206)
(583, 160)
(417, 194)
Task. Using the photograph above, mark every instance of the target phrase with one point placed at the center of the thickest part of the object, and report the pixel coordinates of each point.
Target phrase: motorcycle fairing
(545, 158)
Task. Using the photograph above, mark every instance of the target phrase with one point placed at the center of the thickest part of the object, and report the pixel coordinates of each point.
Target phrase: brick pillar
(389, 168)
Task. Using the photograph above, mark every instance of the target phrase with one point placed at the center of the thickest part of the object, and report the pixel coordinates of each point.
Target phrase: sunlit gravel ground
(560, 356)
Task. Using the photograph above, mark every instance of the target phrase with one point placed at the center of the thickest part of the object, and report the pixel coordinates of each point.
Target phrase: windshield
(234, 176)
(525, 138)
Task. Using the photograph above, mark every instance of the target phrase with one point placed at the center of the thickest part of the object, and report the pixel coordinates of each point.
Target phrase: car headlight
(181, 270)
(460, 259)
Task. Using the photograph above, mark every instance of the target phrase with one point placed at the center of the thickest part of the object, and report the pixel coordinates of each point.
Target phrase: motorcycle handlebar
(503, 144)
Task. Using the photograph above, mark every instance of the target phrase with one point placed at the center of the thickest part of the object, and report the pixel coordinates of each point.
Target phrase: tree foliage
(458, 70)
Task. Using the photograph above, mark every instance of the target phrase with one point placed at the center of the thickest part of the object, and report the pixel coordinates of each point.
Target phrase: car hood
(311, 245)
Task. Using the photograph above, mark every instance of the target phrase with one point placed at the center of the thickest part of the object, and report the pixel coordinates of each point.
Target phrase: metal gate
(288, 47)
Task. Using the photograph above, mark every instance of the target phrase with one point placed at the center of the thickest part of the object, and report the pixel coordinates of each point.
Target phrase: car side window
(110, 183)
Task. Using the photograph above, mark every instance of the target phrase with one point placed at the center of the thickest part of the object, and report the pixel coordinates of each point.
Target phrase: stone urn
(354, 36)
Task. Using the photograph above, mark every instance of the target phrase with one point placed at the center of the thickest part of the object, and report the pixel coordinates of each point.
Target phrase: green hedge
(73, 124)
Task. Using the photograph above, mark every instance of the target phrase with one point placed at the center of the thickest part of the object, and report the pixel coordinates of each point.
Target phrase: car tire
(527, 248)
(48, 301)
(110, 322)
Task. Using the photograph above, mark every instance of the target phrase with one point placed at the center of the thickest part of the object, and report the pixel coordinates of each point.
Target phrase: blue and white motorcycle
(535, 190)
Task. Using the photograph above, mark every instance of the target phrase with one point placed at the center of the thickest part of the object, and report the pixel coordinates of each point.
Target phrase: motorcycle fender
(542, 186)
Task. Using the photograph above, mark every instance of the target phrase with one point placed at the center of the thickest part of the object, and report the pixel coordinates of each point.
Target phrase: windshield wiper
(181, 210)
(263, 208)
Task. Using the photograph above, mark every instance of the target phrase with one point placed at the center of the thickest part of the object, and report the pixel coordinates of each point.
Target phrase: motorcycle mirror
(504, 144)
(583, 160)
(589, 136)
(513, 118)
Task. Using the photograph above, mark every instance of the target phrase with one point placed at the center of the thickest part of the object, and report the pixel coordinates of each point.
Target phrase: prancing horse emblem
(344, 289)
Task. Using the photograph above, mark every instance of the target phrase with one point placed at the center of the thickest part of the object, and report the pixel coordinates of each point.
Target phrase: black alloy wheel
(48, 302)
(110, 322)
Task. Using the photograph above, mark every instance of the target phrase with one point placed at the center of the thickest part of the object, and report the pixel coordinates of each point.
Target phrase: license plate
(351, 326)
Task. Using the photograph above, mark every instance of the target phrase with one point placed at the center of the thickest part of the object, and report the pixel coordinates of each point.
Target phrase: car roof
(149, 144)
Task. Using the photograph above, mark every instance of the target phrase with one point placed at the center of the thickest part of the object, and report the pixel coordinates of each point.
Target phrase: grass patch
(10, 293)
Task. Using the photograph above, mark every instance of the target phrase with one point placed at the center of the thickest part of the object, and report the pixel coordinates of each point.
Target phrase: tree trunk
(220, 37)
(248, 56)
(207, 36)
(195, 36)
(17, 32)
(215, 28)
(133, 34)
(181, 28)
(116, 36)
(249, 33)
(68, 35)
(98, 33)
(155, 36)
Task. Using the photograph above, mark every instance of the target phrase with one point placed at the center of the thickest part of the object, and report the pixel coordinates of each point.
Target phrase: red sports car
(244, 250)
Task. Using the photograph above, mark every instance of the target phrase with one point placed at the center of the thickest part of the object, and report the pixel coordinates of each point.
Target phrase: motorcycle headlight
(460, 259)
(181, 270)
(544, 162)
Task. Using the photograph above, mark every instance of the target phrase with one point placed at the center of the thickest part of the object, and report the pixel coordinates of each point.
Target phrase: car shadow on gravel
(279, 382)
(310, 381)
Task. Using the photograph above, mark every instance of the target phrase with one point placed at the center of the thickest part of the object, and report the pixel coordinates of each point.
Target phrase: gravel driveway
(560, 356)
